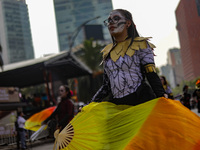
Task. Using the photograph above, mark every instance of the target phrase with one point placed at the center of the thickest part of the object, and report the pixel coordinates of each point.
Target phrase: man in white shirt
(21, 121)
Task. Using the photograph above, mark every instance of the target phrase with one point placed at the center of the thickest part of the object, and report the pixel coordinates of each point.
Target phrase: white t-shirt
(21, 121)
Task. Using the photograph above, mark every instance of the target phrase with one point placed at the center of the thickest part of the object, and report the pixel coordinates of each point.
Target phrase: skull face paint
(116, 23)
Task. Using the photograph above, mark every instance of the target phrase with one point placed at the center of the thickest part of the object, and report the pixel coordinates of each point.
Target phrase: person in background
(65, 109)
(185, 100)
(196, 94)
(128, 61)
(17, 133)
(22, 132)
(44, 99)
(166, 87)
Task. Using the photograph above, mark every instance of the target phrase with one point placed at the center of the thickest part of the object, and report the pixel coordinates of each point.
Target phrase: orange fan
(159, 124)
(34, 122)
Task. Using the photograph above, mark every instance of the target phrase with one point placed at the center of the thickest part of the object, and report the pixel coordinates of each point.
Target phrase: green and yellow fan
(159, 124)
(76, 133)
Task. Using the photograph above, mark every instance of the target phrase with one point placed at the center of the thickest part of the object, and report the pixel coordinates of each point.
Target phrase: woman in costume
(133, 119)
(127, 62)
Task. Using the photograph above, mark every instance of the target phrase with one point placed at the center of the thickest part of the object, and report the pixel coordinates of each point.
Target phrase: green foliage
(157, 70)
(30, 91)
(90, 54)
(191, 84)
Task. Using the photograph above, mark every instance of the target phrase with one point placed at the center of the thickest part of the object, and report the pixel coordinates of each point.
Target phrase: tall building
(174, 60)
(72, 14)
(188, 26)
(15, 33)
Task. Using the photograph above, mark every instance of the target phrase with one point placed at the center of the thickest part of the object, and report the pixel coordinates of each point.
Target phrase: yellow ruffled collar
(120, 49)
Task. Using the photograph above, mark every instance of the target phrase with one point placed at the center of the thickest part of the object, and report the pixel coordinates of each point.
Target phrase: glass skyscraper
(15, 33)
(70, 14)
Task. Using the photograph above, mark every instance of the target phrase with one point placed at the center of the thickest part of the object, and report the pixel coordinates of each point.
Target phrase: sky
(153, 18)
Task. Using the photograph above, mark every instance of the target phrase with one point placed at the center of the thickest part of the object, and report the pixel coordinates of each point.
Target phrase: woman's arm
(147, 62)
(103, 91)
(155, 82)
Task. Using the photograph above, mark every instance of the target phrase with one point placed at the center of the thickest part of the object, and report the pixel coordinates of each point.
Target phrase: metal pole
(75, 33)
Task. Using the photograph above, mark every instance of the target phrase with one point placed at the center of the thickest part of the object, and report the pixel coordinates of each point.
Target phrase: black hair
(19, 113)
(67, 89)
(165, 81)
(185, 87)
(132, 31)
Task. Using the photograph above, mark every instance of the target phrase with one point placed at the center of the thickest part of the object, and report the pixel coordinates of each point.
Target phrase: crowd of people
(191, 100)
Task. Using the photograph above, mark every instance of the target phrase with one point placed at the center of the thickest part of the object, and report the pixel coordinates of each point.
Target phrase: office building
(15, 33)
(188, 26)
(174, 60)
(72, 14)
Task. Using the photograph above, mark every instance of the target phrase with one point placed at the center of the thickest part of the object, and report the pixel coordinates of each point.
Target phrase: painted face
(116, 23)
(62, 92)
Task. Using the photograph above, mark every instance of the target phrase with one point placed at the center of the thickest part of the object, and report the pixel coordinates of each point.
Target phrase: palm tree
(91, 56)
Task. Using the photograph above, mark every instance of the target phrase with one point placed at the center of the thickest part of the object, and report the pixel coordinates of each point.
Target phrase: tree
(191, 84)
(91, 56)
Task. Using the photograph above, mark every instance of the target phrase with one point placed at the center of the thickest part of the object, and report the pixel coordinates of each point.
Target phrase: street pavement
(46, 146)
(196, 111)
(42, 144)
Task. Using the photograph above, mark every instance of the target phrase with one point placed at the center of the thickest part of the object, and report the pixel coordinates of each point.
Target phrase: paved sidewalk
(29, 145)
(196, 111)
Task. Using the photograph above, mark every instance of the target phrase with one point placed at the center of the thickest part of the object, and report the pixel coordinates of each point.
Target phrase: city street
(46, 146)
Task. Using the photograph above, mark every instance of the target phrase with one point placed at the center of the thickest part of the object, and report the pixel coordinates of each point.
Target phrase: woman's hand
(165, 95)
(79, 109)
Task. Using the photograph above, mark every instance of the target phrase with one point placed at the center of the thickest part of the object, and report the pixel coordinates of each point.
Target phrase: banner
(9, 94)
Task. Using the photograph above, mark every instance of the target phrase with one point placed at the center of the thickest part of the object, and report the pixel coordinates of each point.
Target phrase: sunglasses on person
(113, 20)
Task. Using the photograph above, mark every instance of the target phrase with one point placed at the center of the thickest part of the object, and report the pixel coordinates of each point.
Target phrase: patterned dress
(123, 69)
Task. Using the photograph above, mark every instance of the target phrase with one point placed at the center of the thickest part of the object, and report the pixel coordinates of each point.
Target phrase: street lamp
(75, 33)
